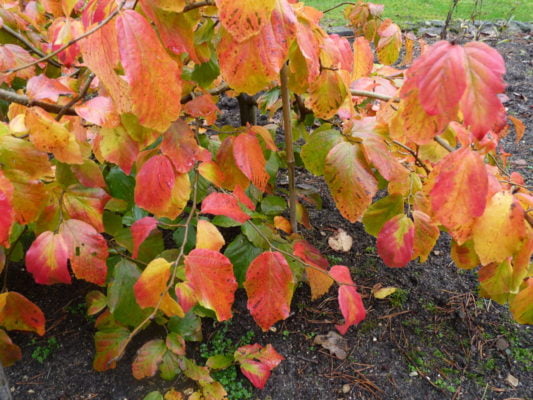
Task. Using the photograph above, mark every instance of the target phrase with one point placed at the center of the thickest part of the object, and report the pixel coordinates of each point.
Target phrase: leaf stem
(198, 5)
(444, 144)
(70, 43)
(28, 44)
(13, 97)
(289, 151)
(346, 3)
(413, 153)
(374, 95)
(83, 91)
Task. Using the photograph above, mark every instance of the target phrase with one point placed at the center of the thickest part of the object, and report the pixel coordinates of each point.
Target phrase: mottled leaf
(257, 362)
(148, 358)
(426, 235)
(140, 230)
(19, 313)
(350, 301)
(249, 158)
(46, 259)
(396, 240)
(319, 281)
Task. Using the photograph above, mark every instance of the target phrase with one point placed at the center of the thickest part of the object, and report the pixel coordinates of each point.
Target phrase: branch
(28, 44)
(215, 92)
(413, 153)
(373, 95)
(444, 144)
(289, 151)
(175, 264)
(198, 5)
(73, 41)
(13, 97)
(75, 99)
(347, 3)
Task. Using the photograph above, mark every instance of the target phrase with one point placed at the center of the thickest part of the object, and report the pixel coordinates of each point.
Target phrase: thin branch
(347, 3)
(75, 99)
(289, 151)
(214, 92)
(8, 256)
(28, 44)
(444, 144)
(175, 264)
(374, 95)
(73, 41)
(413, 153)
(13, 97)
(198, 5)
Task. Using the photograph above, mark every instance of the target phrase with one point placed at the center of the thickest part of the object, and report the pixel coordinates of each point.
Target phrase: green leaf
(241, 253)
(120, 296)
(316, 149)
(381, 211)
(219, 361)
(148, 250)
(120, 185)
(251, 232)
(190, 327)
(273, 205)
(225, 222)
(112, 223)
(169, 366)
(204, 74)
(154, 396)
(179, 235)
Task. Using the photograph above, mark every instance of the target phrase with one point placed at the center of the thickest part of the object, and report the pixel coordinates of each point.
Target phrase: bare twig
(214, 92)
(198, 5)
(413, 153)
(374, 95)
(444, 144)
(28, 44)
(75, 99)
(13, 97)
(346, 3)
(73, 41)
(289, 151)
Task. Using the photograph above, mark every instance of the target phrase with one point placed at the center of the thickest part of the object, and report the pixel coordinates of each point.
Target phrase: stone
(511, 380)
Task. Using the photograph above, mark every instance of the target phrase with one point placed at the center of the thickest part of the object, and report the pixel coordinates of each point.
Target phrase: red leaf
(318, 281)
(152, 283)
(243, 198)
(227, 165)
(250, 159)
(87, 251)
(350, 302)
(61, 32)
(202, 106)
(43, 88)
(257, 362)
(269, 285)
(211, 275)
(426, 235)
(173, 190)
(7, 214)
(18, 313)
(116, 146)
(46, 259)
(140, 230)
(186, 296)
(396, 240)
(224, 204)
(180, 146)
(459, 194)
(99, 111)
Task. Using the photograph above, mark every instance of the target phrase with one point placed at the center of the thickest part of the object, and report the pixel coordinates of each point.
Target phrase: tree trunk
(5, 392)
(248, 109)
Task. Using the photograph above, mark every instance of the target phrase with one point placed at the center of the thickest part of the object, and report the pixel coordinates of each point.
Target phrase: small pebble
(346, 388)
(502, 344)
(511, 380)
(31, 391)
(413, 373)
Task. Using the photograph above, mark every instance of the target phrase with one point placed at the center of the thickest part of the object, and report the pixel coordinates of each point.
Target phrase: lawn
(418, 10)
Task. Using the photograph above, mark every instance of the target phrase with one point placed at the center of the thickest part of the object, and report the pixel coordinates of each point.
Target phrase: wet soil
(434, 339)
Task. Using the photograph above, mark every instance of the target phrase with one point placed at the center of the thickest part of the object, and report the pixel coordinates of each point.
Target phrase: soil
(433, 339)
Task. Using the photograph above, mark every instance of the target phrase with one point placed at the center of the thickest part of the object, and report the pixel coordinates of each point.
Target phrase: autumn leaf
(228, 167)
(245, 18)
(100, 111)
(464, 256)
(390, 42)
(116, 146)
(350, 301)
(521, 305)
(249, 158)
(269, 285)
(86, 204)
(152, 283)
(9, 352)
(224, 204)
(140, 230)
(257, 362)
(349, 179)
(148, 358)
(41, 87)
(396, 240)
(327, 93)
(363, 58)
(211, 275)
(7, 213)
(46, 259)
(426, 235)
(319, 281)
(19, 313)
(459, 193)
(501, 230)
(173, 190)
(208, 236)
(108, 345)
(202, 106)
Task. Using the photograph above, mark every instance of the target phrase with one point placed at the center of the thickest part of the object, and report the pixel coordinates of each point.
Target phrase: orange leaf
(211, 275)
(327, 93)
(18, 313)
(9, 352)
(148, 358)
(86, 204)
(249, 158)
(349, 179)
(390, 42)
(152, 283)
(155, 95)
(350, 302)
(426, 235)
(212, 172)
(228, 167)
(282, 224)
(46, 259)
(116, 146)
(202, 106)
(464, 256)
(519, 127)
(459, 194)
(140, 230)
(53, 137)
(269, 285)
(87, 251)
(319, 282)
(363, 58)
(244, 18)
(208, 236)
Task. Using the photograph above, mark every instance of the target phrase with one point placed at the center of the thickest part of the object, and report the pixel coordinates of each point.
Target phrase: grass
(401, 11)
